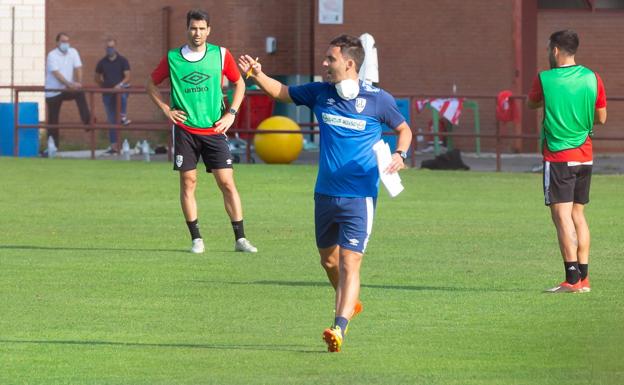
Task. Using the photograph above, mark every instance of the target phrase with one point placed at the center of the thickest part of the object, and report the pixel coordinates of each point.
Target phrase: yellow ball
(278, 147)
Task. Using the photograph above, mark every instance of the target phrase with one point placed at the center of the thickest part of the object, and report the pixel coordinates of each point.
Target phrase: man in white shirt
(63, 71)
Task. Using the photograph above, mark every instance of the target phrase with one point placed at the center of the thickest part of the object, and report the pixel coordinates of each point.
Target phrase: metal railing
(92, 126)
(498, 136)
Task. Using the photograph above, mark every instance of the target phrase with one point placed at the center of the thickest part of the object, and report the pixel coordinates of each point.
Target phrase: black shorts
(566, 182)
(187, 148)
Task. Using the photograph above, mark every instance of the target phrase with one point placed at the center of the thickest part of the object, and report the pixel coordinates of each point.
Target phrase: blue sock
(342, 322)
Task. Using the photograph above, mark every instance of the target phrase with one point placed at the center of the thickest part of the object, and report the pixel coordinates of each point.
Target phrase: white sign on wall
(331, 11)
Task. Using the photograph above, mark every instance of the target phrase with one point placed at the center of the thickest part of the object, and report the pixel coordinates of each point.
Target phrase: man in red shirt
(573, 98)
(196, 71)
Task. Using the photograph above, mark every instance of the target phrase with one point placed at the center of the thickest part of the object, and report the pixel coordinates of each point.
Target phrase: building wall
(28, 50)
(423, 47)
(426, 47)
(600, 49)
(241, 26)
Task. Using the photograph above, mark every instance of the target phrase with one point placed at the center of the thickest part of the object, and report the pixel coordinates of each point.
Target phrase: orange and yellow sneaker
(585, 287)
(357, 309)
(565, 287)
(333, 338)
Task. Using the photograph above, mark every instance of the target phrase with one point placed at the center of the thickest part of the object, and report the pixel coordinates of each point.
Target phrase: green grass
(96, 285)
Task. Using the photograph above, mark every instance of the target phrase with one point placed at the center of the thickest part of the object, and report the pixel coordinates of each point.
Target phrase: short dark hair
(58, 35)
(351, 47)
(197, 14)
(566, 40)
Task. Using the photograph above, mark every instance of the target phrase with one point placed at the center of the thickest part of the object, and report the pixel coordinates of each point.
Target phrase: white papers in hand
(392, 182)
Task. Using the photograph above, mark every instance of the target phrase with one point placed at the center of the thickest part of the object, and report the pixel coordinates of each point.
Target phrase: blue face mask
(110, 51)
(64, 47)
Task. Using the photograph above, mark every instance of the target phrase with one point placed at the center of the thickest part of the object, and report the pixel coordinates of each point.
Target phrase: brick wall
(28, 50)
(241, 26)
(423, 47)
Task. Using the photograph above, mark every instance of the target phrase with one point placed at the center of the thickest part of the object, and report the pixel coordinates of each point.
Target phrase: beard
(196, 44)
(552, 60)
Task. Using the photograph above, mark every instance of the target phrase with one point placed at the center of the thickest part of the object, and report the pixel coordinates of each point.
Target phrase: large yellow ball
(278, 147)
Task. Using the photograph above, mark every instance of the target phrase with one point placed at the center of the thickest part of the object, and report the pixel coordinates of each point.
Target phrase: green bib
(196, 86)
(569, 106)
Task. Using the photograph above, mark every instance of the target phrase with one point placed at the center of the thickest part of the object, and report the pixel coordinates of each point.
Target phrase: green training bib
(196, 86)
(569, 106)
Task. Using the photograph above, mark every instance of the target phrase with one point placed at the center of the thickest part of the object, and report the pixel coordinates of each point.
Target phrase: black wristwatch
(233, 111)
(401, 154)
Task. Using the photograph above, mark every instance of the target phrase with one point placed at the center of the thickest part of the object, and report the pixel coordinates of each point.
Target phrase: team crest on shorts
(360, 103)
(179, 159)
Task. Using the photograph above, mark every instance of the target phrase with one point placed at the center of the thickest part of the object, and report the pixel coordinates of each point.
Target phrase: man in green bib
(196, 71)
(574, 99)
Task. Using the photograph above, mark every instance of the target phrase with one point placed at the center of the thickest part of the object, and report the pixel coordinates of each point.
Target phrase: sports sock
(583, 269)
(193, 227)
(342, 322)
(239, 230)
(572, 272)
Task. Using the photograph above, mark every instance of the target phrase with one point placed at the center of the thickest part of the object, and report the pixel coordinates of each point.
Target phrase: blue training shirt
(349, 129)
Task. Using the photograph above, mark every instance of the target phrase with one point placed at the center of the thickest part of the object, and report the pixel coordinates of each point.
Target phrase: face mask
(348, 89)
(110, 51)
(64, 47)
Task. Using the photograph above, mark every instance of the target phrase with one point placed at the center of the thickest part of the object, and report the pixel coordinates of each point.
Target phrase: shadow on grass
(369, 286)
(66, 248)
(257, 347)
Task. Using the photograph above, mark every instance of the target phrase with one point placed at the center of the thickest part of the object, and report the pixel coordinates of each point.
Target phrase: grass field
(97, 286)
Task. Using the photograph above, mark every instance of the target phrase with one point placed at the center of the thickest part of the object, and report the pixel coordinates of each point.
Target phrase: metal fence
(92, 126)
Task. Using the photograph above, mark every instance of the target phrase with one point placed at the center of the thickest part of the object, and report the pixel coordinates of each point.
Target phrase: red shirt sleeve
(161, 72)
(230, 70)
(601, 99)
(536, 94)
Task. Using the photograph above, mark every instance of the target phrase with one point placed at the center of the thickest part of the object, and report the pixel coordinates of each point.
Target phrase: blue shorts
(346, 222)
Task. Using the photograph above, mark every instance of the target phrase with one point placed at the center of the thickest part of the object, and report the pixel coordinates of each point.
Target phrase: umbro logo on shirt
(331, 102)
(354, 242)
(195, 78)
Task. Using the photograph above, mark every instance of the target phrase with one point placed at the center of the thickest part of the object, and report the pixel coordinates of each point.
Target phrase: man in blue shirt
(350, 115)
(113, 71)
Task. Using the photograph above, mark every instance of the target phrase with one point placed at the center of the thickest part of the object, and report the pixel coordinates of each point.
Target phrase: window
(564, 4)
(588, 5)
(608, 4)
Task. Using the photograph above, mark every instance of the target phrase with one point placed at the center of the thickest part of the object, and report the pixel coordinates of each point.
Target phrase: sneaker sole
(564, 291)
(332, 343)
